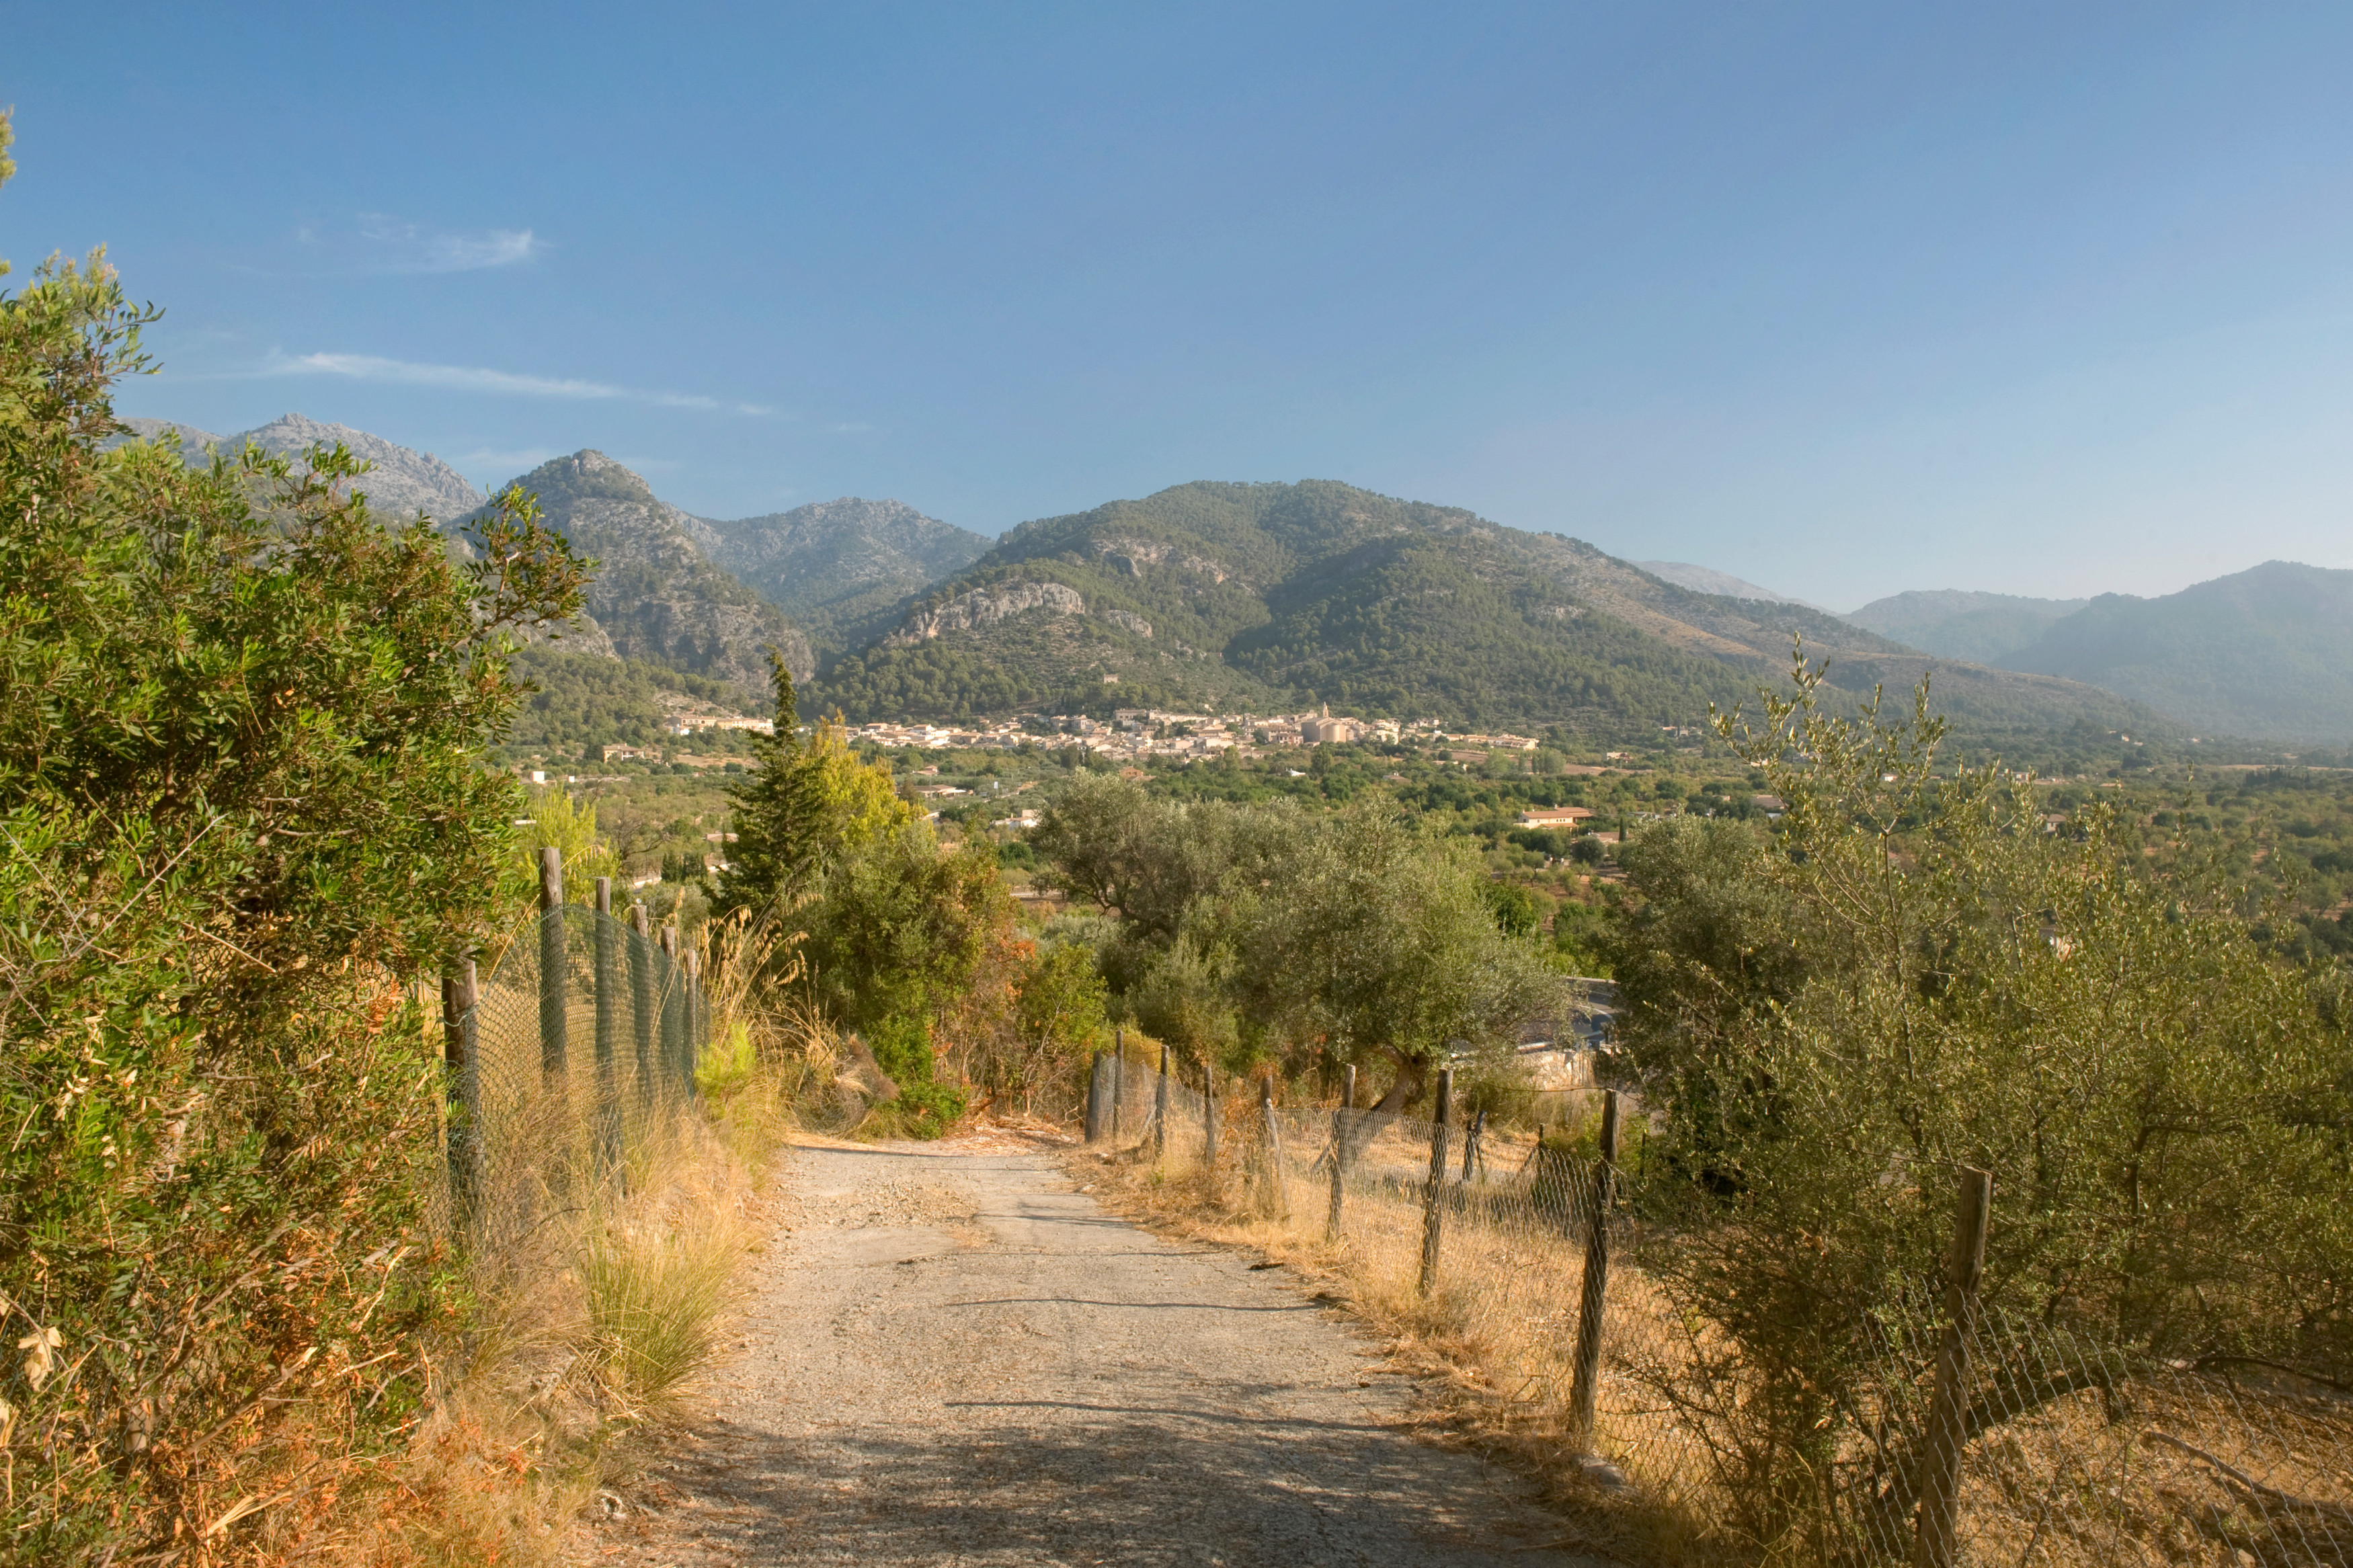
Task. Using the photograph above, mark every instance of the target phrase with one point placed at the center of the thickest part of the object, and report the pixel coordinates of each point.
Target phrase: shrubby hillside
(1273, 595)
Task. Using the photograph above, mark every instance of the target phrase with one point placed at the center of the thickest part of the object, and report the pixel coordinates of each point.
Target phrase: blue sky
(1844, 300)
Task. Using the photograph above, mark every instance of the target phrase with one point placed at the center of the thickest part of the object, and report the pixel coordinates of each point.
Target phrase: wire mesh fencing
(568, 1066)
(1963, 1437)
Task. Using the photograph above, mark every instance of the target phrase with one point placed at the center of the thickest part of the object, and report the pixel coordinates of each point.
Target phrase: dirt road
(952, 1356)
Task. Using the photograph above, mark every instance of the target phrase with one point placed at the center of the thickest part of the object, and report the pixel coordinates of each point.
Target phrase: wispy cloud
(458, 377)
(393, 245)
(498, 383)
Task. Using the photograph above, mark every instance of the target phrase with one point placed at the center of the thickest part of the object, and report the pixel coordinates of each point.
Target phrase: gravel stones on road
(950, 1356)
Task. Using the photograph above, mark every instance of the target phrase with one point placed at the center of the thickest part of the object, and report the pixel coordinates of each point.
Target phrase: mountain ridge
(2265, 654)
(1259, 595)
(1961, 624)
(1708, 579)
(838, 567)
(401, 479)
(656, 596)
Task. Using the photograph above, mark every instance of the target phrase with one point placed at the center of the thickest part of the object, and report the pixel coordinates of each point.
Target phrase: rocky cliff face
(656, 597)
(986, 608)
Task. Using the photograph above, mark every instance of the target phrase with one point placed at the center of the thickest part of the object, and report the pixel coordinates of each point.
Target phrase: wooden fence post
(1940, 1486)
(608, 1029)
(1585, 1385)
(1118, 1065)
(695, 1026)
(671, 1024)
(1094, 1096)
(641, 1000)
(1160, 1108)
(1208, 1118)
(1276, 1187)
(463, 1064)
(1433, 1216)
(1341, 1113)
(1470, 1131)
(551, 965)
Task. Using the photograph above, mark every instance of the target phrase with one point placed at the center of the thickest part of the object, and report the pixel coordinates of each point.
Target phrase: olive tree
(1913, 976)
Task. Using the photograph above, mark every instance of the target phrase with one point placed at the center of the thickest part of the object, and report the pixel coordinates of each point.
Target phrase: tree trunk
(1407, 1090)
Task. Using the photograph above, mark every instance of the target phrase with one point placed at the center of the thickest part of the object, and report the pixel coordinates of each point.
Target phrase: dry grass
(598, 1289)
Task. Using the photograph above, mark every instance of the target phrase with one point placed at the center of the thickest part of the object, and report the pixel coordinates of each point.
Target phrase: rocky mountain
(1707, 580)
(657, 597)
(1270, 595)
(192, 440)
(2267, 654)
(1983, 627)
(838, 567)
(401, 481)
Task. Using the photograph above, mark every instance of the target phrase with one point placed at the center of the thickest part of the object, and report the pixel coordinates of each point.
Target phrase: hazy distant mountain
(1708, 579)
(1271, 595)
(656, 597)
(2267, 654)
(1984, 628)
(193, 441)
(834, 566)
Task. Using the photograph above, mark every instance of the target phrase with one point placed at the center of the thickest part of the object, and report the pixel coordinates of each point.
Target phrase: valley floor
(952, 1356)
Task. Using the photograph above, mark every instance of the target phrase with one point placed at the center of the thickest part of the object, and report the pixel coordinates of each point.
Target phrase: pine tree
(807, 800)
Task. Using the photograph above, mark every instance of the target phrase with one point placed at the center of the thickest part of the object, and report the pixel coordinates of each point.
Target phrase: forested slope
(2267, 654)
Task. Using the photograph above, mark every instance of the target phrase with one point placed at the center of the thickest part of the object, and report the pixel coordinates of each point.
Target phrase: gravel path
(953, 1357)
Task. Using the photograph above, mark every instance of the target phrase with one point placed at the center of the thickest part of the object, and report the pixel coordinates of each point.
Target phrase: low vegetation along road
(954, 1355)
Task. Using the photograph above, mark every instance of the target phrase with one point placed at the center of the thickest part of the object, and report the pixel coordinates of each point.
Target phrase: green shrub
(244, 807)
(902, 1049)
(728, 1063)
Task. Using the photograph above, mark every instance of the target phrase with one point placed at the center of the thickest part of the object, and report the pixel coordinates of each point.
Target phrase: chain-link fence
(566, 1065)
(1968, 1437)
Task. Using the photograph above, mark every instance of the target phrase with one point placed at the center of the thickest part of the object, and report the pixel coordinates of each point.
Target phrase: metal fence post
(1340, 1114)
(1433, 1216)
(1160, 1108)
(1940, 1486)
(641, 1000)
(1276, 1188)
(551, 965)
(1471, 1152)
(1094, 1096)
(608, 1029)
(463, 1064)
(1585, 1385)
